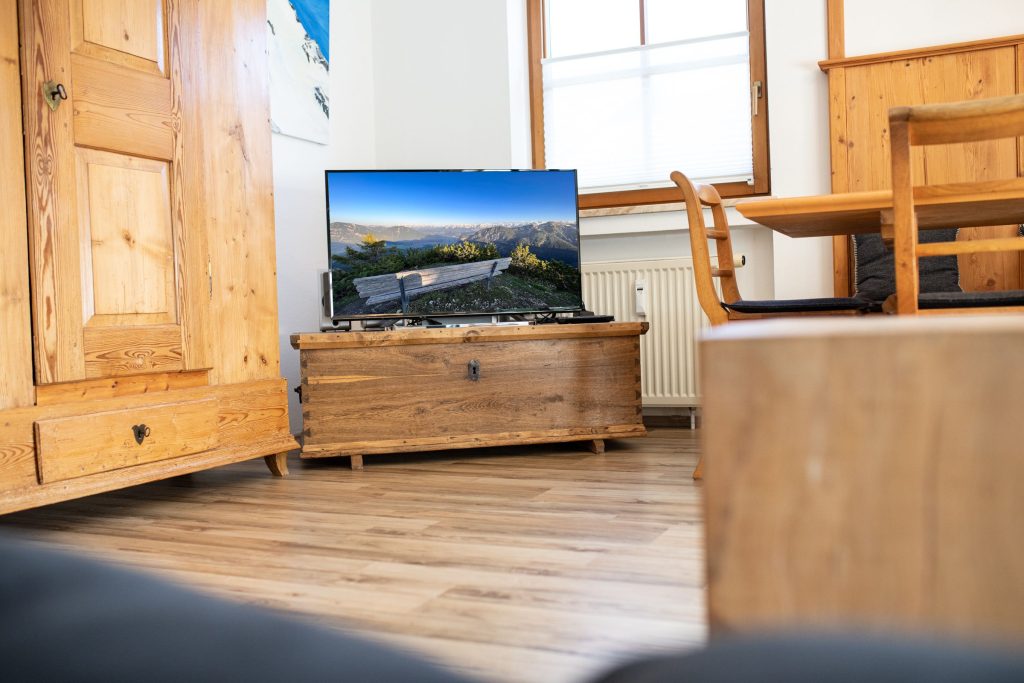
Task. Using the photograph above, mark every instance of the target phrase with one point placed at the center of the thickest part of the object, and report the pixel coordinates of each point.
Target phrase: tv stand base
(416, 390)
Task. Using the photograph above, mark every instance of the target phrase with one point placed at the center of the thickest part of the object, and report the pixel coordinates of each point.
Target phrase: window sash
(658, 191)
(655, 98)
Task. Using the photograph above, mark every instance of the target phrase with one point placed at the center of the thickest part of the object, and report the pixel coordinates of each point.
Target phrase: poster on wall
(298, 41)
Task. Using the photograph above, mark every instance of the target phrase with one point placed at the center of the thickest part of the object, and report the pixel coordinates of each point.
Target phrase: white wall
(441, 80)
(299, 200)
(885, 25)
(795, 41)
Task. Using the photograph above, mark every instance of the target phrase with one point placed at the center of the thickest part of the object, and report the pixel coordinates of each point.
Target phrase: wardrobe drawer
(69, 447)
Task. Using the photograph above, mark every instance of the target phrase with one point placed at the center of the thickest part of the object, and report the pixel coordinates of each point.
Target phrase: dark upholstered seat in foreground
(817, 658)
(63, 618)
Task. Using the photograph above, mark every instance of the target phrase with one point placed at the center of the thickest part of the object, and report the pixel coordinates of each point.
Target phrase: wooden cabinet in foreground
(137, 283)
(432, 389)
(865, 474)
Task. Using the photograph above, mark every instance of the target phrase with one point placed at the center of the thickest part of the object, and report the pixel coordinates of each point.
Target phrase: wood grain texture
(114, 387)
(393, 398)
(122, 110)
(862, 91)
(904, 219)
(971, 121)
(131, 26)
(15, 310)
(842, 275)
(113, 351)
(836, 30)
(158, 104)
(922, 52)
(225, 95)
(1019, 51)
(155, 63)
(891, 504)
(483, 334)
(103, 254)
(70, 447)
(973, 246)
(992, 202)
(976, 75)
(277, 464)
(252, 422)
(188, 218)
(537, 50)
(759, 121)
(52, 204)
(547, 563)
(126, 238)
(695, 198)
(482, 440)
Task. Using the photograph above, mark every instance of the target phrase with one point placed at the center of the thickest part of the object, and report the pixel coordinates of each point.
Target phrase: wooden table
(849, 213)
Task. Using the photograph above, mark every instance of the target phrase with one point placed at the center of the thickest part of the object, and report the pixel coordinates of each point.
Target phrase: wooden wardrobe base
(251, 421)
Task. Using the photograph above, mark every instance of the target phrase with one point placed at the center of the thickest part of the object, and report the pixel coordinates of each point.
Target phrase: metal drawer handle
(141, 431)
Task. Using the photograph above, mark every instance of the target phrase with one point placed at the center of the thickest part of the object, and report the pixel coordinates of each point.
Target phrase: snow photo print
(298, 41)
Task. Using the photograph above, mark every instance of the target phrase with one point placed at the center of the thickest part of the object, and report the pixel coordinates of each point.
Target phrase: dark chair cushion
(72, 619)
(874, 269)
(821, 305)
(1013, 297)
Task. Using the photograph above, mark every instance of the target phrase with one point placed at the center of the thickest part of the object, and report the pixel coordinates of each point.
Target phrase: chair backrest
(939, 124)
(704, 272)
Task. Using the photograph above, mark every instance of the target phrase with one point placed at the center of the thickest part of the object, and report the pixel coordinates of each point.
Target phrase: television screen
(424, 244)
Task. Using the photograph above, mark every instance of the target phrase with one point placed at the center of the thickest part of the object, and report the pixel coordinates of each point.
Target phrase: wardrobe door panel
(16, 357)
(112, 251)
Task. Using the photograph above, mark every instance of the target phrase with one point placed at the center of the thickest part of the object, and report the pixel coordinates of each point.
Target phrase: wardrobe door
(117, 272)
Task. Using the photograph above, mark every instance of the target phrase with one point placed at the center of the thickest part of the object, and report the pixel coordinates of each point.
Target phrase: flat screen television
(431, 244)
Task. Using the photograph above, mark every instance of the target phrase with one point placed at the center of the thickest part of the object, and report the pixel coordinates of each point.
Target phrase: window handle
(756, 93)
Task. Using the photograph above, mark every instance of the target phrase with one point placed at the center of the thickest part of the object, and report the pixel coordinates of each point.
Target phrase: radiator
(668, 351)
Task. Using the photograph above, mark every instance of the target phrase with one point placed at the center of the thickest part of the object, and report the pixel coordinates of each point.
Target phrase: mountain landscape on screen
(447, 269)
(420, 244)
(550, 239)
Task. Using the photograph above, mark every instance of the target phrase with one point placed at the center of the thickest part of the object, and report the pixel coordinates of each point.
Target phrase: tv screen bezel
(335, 318)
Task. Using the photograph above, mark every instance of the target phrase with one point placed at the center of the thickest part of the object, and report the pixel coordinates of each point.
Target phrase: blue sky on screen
(451, 198)
(315, 18)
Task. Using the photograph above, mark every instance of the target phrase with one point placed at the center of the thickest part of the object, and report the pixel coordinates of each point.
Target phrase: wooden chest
(426, 389)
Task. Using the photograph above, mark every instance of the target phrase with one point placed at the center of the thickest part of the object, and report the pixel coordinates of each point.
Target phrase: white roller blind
(626, 118)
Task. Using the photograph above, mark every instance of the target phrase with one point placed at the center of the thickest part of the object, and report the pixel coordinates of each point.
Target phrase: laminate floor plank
(527, 563)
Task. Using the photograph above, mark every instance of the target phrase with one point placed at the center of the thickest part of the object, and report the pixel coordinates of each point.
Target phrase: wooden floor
(540, 563)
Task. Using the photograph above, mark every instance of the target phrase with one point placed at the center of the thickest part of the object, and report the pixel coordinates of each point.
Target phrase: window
(627, 91)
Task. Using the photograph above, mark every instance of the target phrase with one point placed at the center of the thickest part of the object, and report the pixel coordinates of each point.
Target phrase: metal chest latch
(474, 370)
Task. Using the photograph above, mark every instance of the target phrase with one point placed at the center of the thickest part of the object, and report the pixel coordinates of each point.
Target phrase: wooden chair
(938, 124)
(731, 306)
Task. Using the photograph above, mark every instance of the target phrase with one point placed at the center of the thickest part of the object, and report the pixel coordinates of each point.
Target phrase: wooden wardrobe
(138, 299)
